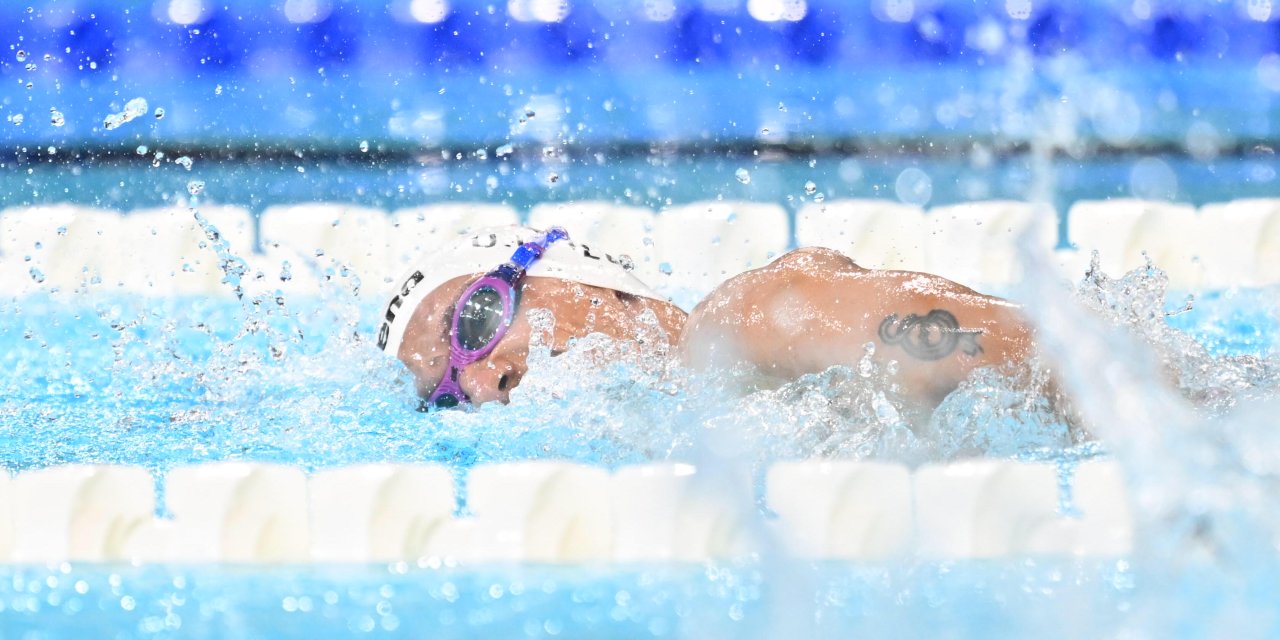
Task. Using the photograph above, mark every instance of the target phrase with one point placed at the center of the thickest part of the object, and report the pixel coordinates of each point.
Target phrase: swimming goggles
(482, 316)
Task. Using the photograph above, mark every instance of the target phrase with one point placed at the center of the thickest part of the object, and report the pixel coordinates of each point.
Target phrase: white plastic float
(661, 513)
(1174, 236)
(1240, 243)
(560, 512)
(172, 254)
(619, 229)
(537, 511)
(418, 230)
(233, 512)
(841, 509)
(877, 234)
(378, 512)
(322, 243)
(977, 242)
(705, 243)
(78, 512)
(991, 508)
(67, 249)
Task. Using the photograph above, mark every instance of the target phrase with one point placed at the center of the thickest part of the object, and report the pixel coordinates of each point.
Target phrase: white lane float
(378, 512)
(78, 512)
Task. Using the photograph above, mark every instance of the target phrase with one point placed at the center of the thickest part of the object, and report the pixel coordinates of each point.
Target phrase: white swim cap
(486, 249)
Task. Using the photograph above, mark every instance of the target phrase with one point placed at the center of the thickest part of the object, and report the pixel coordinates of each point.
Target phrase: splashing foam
(1195, 435)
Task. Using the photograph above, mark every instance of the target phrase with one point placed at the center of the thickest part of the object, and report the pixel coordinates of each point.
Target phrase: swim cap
(486, 249)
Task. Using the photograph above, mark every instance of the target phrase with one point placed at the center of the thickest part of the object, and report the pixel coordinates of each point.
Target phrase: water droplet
(62, 231)
(764, 131)
(364, 146)
(503, 151)
(914, 186)
(142, 149)
(22, 55)
(529, 114)
(195, 187)
(56, 118)
(819, 197)
(132, 110)
(31, 66)
(810, 188)
(217, 91)
(37, 275)
(742, 175)
(159, 113)
(553, 177)
(184, 162)
(782, 107)
(17, 118)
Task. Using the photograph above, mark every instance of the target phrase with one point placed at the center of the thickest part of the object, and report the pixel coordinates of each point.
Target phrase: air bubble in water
(56, 118)
(195, 187)
(17, 118)
(810, 188)
(22, 55)
(184, 162)
(364, 146)
(159, 113)
(142, 149)
(742, 175)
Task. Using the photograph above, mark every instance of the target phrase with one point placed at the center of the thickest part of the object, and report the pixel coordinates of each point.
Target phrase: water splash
(133, 109)
(1205, 499)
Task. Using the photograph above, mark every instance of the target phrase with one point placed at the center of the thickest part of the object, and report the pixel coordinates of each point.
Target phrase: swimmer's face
(578, 309)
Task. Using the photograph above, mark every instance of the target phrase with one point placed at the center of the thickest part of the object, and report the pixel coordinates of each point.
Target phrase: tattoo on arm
(930, 337)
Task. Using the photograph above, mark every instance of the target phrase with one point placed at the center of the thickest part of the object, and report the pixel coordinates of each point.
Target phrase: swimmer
(458, 319)
(814, 308)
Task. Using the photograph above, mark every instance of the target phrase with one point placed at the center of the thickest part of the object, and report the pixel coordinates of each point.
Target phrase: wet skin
(579, 310)
(814, 308)
(803, 313)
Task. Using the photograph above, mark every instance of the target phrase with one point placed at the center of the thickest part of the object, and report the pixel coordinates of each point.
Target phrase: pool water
(159, 383)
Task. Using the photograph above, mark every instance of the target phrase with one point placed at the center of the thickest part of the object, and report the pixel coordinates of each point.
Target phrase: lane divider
(559, 512)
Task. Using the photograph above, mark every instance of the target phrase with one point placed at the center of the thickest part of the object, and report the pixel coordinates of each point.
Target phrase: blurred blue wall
(430, 73)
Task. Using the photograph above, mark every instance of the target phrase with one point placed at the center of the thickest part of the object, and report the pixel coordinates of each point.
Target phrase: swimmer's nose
(490, 379)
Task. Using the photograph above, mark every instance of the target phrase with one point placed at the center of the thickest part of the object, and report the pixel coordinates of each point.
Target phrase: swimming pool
(326, 143)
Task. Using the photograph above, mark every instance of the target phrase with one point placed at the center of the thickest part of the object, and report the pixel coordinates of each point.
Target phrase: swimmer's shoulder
(815, 260)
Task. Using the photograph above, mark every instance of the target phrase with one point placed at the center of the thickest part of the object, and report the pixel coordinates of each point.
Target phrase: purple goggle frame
(482, 316)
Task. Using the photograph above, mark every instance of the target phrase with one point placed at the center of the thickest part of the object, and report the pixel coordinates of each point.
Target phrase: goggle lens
(480, 319)
(446, 401)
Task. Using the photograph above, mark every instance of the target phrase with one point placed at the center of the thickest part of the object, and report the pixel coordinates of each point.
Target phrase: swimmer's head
(586, 290)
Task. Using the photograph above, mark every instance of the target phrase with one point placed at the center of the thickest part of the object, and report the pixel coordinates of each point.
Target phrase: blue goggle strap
(529, 252)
